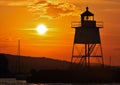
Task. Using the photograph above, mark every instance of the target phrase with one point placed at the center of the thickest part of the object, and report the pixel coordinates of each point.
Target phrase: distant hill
(28, 63)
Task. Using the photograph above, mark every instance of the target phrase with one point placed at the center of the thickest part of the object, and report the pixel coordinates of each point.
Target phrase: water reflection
(74, 84)
(13, 81)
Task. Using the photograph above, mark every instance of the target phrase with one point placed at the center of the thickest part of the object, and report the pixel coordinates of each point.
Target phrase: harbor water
(13, 81)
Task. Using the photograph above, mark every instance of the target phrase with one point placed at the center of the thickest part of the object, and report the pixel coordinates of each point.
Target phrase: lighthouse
(87, 42)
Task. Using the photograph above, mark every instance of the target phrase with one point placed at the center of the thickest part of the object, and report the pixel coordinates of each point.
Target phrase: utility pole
(110, 61)
(19, 68)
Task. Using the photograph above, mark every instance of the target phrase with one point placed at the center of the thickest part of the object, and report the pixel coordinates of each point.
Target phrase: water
(13, 81)
(75, 84)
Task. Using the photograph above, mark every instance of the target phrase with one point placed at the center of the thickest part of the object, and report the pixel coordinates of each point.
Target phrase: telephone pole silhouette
(19, 66)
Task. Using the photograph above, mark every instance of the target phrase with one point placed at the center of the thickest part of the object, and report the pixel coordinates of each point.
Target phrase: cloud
(42, 8)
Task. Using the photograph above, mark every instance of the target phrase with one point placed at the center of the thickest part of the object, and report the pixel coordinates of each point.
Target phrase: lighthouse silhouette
(87, 43)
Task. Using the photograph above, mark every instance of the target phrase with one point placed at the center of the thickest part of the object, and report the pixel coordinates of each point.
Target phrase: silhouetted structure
(3, 64)
(87, 41)
(19, 59)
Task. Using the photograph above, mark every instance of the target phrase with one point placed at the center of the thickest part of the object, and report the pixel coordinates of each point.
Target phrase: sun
(41, 29)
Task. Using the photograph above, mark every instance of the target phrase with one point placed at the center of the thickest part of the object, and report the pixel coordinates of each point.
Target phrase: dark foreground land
(83, 75)
(45, 70)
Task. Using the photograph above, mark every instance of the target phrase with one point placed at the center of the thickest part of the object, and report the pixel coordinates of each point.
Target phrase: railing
(75, 24)
(99, 24)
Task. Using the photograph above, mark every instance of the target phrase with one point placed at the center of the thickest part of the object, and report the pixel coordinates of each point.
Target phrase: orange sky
(19, 19)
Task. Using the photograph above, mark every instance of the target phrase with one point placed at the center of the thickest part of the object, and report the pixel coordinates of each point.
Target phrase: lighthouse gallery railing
(75, 24)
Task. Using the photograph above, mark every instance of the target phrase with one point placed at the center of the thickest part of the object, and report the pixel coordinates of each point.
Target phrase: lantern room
(87, 15)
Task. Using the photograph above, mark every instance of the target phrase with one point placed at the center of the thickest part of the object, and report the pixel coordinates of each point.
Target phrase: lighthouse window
(88, 18)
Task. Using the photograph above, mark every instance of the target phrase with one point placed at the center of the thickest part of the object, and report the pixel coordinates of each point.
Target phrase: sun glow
(42, 29)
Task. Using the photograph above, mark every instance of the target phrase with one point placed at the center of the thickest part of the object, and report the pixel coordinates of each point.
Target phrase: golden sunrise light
(59, 41)
(42, 29)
